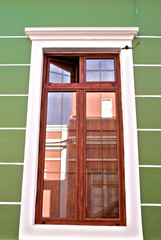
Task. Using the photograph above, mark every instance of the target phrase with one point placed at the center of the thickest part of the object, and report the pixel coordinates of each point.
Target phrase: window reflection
(60, 156)
(101, 156)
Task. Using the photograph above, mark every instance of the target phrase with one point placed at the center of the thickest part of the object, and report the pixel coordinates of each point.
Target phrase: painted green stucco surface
(64, 13)
(147, 51)
(149, 147)
(148, 16)
(151, 223)
(150, 185)
(15, 51)
(9, 221)
(148, 112)
(13, 111)
(14, 79)
(12, 143)
(147, 80)
(10, 183)
(79, 14)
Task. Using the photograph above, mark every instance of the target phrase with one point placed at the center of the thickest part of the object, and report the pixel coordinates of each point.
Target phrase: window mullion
(80, 155)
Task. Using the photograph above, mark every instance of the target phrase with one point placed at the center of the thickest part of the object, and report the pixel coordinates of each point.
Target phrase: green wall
(18, 14)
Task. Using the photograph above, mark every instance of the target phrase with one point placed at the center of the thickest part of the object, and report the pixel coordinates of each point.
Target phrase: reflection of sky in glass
(59, 108)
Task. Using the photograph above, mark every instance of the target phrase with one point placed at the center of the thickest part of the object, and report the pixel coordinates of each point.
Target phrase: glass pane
(102, 193)
(107, 64)
(54, 68)
(60, 156)
(92, 76)
(55, 77)
(92, 64)
(61, 73)
(66, 79)
(100, 70)
(107, 76)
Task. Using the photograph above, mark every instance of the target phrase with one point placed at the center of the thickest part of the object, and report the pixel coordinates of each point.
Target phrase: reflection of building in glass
(101, 156)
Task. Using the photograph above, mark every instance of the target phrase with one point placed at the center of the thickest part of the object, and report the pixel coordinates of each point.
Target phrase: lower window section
(80, 161)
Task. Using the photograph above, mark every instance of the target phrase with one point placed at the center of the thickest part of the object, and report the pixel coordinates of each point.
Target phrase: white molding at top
(81, 33)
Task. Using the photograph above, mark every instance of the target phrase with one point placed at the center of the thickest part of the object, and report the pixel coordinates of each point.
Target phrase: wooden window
(81, 165)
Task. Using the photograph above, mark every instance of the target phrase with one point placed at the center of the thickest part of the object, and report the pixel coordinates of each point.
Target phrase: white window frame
(87, 40)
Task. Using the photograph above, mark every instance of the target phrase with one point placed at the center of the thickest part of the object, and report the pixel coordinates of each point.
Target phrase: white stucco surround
(81, 40)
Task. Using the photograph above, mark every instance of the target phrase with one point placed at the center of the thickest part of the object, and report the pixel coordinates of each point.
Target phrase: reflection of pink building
(101, 161)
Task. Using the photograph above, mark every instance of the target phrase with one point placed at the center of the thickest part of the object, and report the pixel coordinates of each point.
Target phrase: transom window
(81, 168)
(100, 70)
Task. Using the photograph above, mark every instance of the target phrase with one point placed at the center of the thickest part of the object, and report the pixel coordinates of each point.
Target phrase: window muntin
(82, 87)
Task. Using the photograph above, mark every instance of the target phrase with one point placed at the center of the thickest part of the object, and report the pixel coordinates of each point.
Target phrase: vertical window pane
(60, 156)
(102, 194)
(100, 70)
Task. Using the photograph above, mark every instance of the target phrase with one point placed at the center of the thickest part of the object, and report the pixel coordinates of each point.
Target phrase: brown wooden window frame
(81, 87)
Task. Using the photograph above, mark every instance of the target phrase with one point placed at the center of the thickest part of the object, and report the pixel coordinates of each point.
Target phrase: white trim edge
(150, 204)
(11, 163)
(14, 65)
(148, 130)
(148, 96)
(150, 166)
(12, 128)
(148, 36)
(10, 203)
(147, 65)
(13, 36)
(13, 95)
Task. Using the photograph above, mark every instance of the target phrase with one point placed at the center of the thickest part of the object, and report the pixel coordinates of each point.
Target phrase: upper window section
(100, 70)
(82, 69)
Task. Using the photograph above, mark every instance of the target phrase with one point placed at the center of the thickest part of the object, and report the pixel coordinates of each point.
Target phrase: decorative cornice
(81, 33)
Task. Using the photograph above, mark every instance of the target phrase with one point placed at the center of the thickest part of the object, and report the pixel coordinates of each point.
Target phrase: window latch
(127, 47)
